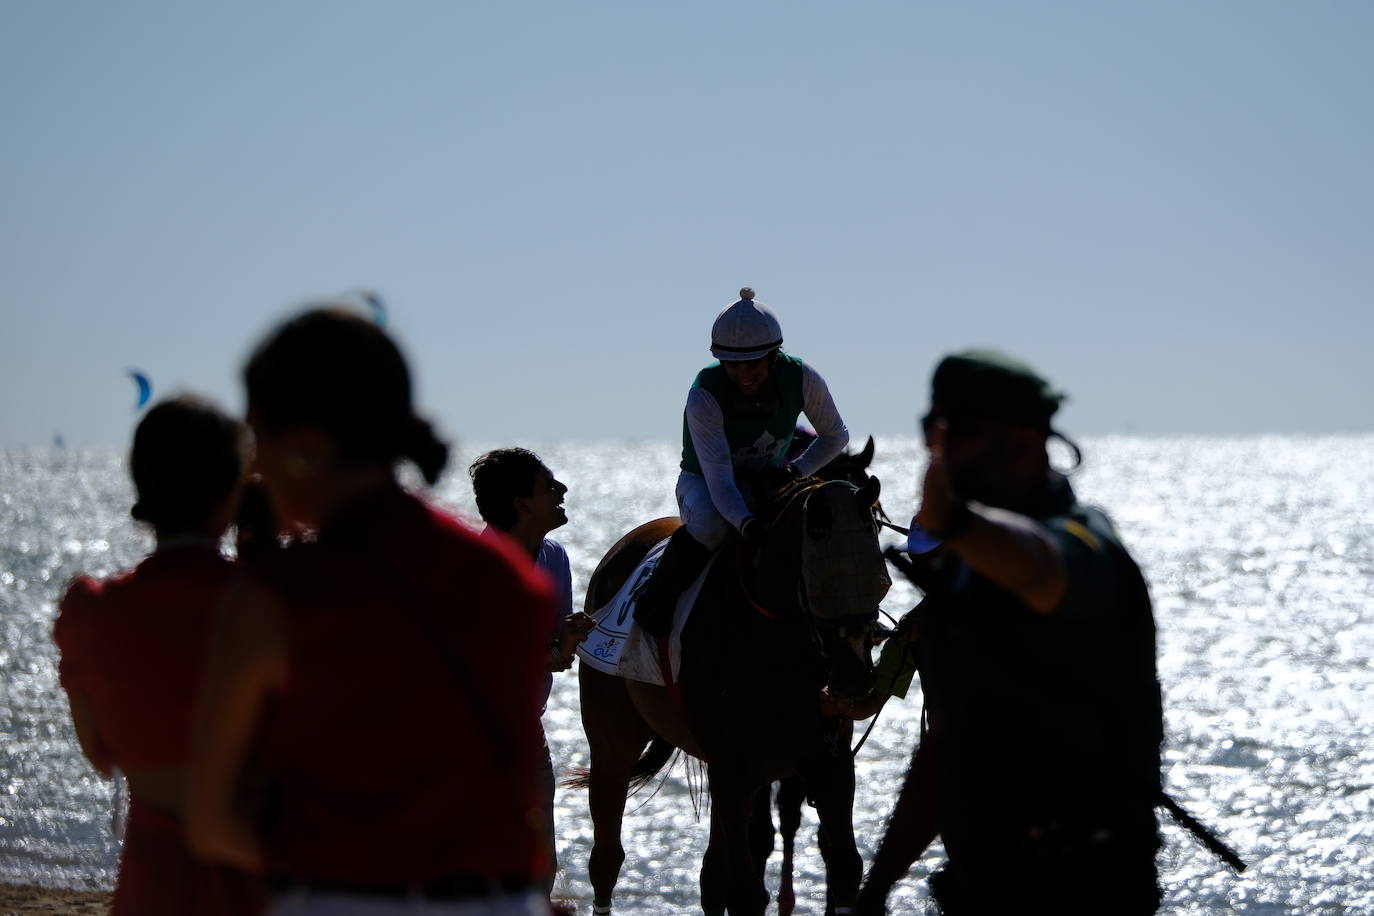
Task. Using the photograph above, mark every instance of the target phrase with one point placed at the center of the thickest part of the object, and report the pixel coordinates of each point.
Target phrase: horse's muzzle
(849, 642)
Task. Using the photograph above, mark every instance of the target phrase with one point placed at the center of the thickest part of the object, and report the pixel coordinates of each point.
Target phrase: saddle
(617, 645)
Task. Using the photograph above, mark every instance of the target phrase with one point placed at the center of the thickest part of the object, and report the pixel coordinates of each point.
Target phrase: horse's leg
(830, 779)
(791, 797)
(730, 882)
(761, 832)
(615, 737)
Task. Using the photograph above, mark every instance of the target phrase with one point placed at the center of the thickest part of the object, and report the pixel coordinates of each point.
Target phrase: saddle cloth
(618, 646)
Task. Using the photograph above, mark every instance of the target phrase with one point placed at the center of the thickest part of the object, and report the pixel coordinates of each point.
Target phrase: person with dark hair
(392, 756)
(255, 525)
(132, 653)
(1036, 652)
(740, 418)
(519, 498)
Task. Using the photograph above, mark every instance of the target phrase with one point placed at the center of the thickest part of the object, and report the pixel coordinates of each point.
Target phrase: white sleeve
(831, 433)
(706, 426)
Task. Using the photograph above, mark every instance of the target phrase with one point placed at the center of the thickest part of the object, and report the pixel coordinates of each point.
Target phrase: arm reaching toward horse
(831, 433)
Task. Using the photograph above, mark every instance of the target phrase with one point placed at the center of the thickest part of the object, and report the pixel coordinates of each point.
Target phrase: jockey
(741, 415)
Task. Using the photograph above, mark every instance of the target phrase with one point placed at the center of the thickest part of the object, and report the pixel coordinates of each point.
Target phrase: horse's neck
(745, 608)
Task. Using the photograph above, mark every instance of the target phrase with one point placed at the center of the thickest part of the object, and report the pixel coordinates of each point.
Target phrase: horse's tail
(652, 759)
(578, 778)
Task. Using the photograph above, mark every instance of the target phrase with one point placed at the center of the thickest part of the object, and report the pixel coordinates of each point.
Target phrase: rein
(804, 492)
(744, 586)
(804, 603)
(879, 711)
(797, 491)
(897, 528)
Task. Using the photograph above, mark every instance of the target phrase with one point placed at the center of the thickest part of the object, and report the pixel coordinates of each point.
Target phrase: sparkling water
(1258, 549)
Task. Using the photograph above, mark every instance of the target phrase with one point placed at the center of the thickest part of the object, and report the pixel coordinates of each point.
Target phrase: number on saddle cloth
(619, 646)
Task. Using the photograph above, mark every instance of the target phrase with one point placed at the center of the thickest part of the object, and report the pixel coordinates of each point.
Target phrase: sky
(1167, 207)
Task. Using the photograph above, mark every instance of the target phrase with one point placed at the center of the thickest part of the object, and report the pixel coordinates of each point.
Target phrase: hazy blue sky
(1167, 206)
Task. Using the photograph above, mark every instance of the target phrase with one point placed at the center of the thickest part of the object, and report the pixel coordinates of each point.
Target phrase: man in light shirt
(520, 499)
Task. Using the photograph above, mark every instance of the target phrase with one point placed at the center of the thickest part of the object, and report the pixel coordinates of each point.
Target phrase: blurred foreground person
(368, 734)
(132, 653)
(1037, 659)
(519, 498)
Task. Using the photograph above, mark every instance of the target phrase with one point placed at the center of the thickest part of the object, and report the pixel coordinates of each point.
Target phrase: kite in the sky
(145, 388)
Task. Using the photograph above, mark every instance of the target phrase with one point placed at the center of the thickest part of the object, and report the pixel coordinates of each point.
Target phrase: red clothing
(135, 645)
(158, 878)
(405, 746)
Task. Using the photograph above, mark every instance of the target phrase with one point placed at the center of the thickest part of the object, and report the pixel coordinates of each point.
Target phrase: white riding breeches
(699, 514)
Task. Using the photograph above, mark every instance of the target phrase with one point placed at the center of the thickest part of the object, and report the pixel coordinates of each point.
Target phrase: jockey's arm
(831, 433)
(706, 425)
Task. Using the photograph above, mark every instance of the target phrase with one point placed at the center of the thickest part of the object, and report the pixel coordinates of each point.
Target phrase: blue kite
(145, 388)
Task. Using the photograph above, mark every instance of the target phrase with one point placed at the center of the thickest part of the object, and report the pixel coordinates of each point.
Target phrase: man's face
(975, 454)
(545, 502)
(748, 375)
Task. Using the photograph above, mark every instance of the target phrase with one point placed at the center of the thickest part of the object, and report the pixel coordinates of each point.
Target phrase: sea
(1260, 555)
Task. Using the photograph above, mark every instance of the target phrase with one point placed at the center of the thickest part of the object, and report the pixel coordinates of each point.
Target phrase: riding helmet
(745, 330)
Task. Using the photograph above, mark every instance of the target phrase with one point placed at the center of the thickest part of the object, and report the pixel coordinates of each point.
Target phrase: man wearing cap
(741, 415)
(1036, 651)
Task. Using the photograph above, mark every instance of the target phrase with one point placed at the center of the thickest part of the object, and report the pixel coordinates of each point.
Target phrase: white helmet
(745, 330)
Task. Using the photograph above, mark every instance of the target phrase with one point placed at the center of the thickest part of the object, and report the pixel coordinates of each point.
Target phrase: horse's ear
(867, 495)
(865, 457)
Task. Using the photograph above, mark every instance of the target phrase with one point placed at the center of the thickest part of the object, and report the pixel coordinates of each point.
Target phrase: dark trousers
(1061, 872)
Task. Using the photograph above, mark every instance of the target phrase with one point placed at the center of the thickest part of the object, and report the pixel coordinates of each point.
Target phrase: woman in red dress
(132, 653)
(377, 683)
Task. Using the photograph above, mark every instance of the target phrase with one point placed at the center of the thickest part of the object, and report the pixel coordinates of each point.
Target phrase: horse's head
(854, 469)
(823, 548)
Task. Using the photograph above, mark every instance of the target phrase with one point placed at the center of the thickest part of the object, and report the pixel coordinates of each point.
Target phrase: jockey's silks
(758, 428)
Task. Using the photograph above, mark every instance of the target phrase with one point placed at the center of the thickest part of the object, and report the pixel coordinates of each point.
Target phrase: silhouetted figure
(519, 498)
(741, 414)
(1037, 659)
(377, 684)
(132, 653)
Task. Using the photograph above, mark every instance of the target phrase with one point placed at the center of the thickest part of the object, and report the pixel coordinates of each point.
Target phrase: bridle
(850, 626)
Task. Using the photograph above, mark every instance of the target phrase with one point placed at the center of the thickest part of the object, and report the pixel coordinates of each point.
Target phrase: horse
(834, 764)
(765, 635)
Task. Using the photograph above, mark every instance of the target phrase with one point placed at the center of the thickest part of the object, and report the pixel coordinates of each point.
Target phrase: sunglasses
(957, 426)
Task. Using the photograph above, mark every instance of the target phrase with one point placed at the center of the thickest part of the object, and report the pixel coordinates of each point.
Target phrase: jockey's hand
(773, 479)
(752, 533)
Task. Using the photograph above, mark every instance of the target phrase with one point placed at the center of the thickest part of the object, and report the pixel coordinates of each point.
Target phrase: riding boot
(679, 566)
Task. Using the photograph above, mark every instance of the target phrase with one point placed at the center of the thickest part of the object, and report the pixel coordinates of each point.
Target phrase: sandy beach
(24, 898)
